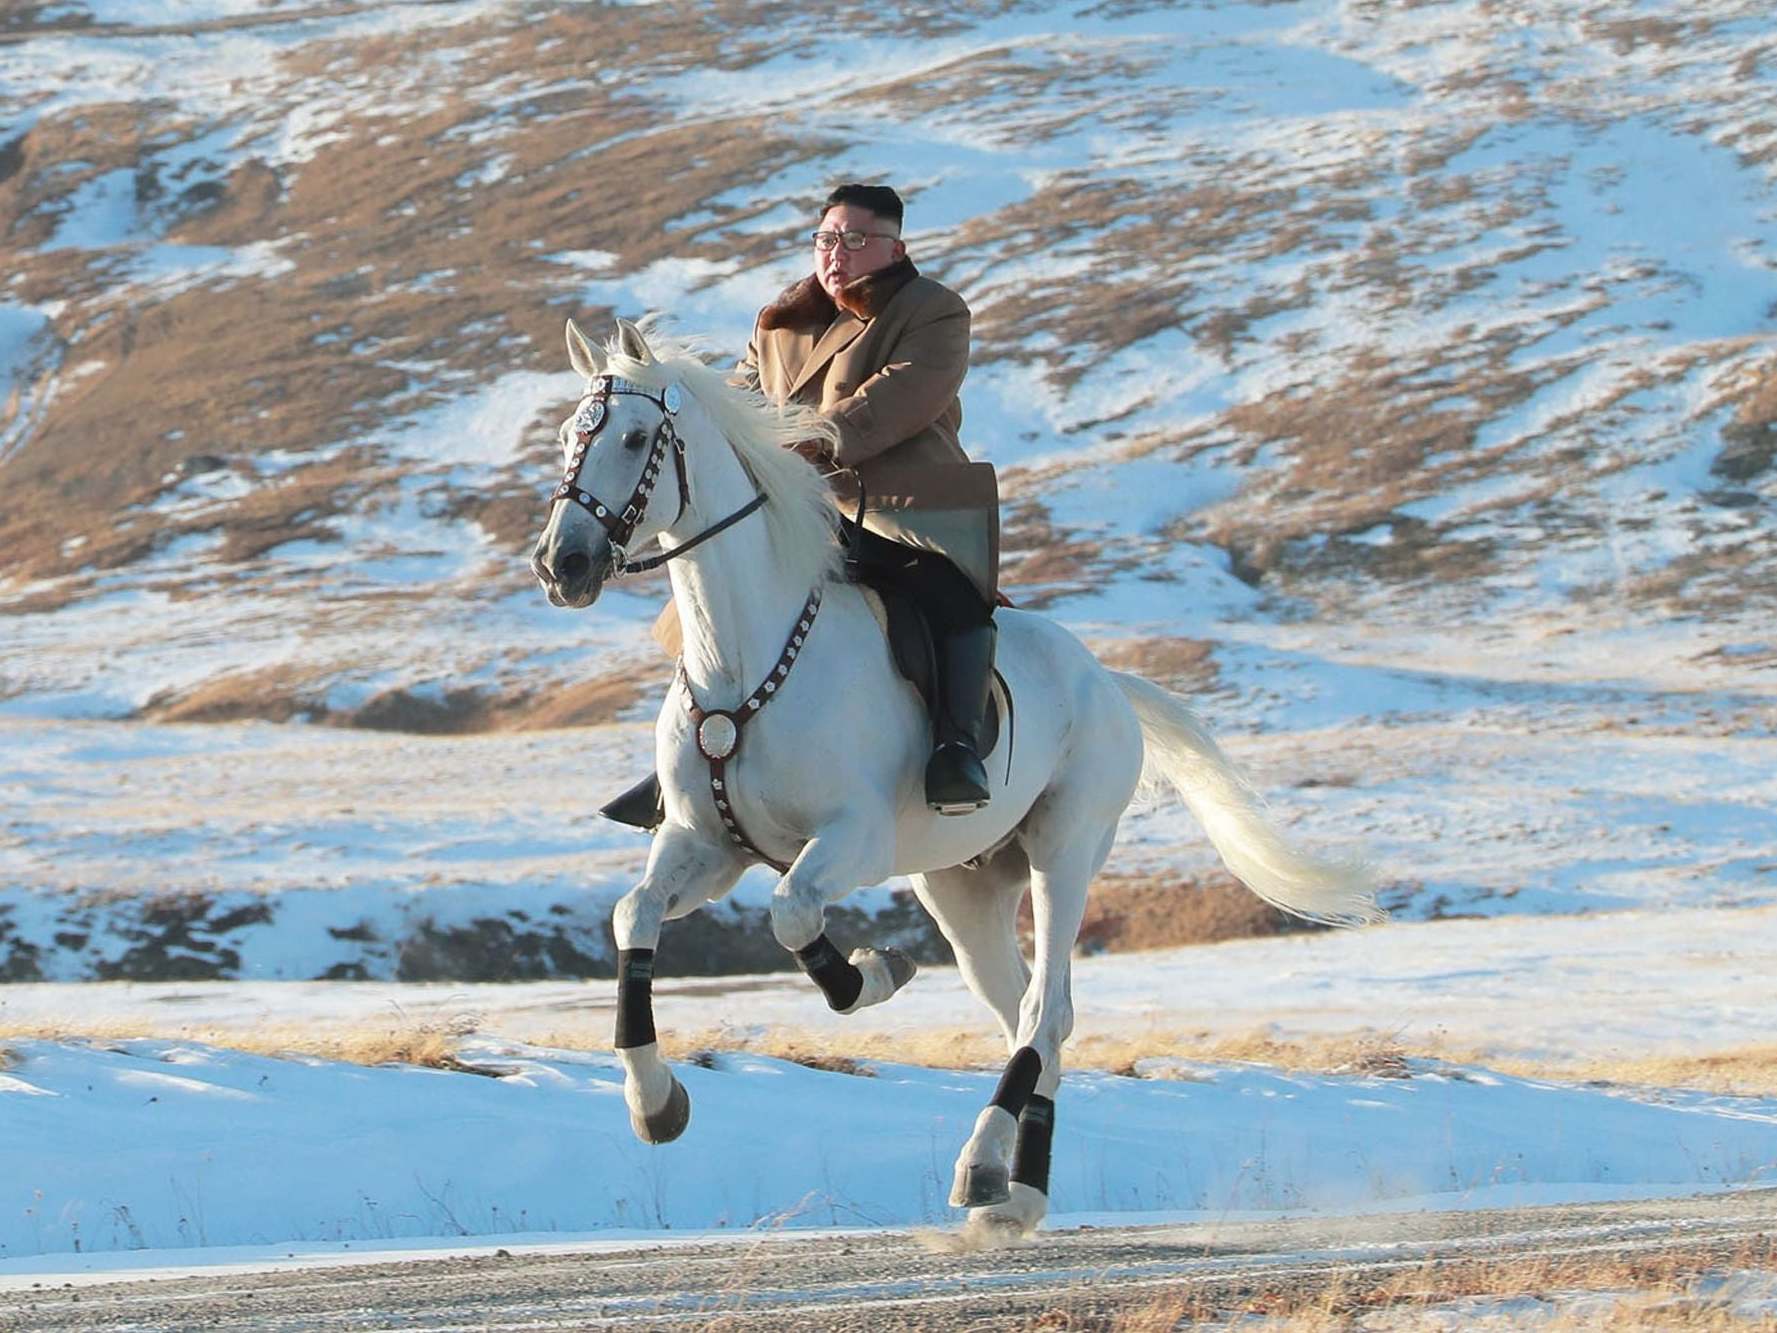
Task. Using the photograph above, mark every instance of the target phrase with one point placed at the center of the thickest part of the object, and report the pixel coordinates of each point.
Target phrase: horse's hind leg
(684, 872)
(1065, 853)
(977, 909)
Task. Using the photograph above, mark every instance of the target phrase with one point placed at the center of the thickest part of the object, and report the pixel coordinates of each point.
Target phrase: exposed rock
(493, 949)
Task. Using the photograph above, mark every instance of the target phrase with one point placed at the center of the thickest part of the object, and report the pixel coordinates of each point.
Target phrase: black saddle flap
(910, 644)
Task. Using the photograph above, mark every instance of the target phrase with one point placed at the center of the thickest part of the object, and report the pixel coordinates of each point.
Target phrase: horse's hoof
(1018, 1217)
(981, 1187)
(883, 971)
(666, 1124)
(990, 1229)
(901, 967)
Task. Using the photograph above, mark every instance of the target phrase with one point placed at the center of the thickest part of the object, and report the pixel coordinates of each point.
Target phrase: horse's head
(624, 473)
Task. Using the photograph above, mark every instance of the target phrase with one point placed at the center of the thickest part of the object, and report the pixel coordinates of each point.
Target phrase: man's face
(838, 266)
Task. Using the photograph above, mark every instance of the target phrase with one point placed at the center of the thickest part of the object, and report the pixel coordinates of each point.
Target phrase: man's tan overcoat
(885, 365)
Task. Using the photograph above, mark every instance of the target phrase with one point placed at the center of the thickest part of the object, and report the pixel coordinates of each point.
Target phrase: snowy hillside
(1317, 314)
(1397, 380)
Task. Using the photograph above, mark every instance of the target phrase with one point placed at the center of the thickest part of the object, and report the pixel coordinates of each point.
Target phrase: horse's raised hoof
(666, 1124)
(981, 1186)
(884, 971)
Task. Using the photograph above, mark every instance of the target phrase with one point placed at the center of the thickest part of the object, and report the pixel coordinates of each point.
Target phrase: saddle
(909, 634)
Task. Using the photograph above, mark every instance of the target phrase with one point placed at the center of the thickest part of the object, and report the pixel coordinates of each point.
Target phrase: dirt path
(902, 1280)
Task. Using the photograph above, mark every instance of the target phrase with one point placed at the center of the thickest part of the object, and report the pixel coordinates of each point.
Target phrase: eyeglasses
(852, 240)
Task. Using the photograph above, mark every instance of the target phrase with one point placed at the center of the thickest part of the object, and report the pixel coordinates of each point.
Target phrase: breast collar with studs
(717, 731)
(621, 524)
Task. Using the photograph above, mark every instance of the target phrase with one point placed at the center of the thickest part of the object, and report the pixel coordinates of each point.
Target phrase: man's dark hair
(879, 199)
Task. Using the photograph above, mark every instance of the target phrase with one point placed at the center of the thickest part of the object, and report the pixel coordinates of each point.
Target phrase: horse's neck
(735, 604)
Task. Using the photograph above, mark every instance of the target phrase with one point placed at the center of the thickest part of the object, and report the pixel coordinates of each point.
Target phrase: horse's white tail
(1179, 753)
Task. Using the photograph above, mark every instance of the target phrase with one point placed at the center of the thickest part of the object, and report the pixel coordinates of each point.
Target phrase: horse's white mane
(800, 511)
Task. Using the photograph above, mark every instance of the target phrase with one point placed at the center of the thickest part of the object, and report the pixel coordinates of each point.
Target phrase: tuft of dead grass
(1745, 1071)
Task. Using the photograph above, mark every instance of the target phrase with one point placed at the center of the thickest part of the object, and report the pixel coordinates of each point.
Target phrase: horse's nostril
(573, 566)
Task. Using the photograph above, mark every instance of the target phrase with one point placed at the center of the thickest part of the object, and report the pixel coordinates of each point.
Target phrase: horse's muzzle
(572, 577)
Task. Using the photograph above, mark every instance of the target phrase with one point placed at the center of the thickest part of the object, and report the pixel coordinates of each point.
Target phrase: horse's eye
(635, 439)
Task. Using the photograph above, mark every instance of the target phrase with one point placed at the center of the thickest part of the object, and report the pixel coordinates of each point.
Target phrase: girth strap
(717, 731)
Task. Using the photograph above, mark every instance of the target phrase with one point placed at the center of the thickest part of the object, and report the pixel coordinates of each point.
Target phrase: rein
(621, 524)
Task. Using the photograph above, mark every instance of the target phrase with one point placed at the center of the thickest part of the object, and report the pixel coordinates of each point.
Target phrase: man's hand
(818, 452)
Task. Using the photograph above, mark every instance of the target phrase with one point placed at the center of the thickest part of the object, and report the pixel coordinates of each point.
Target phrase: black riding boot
(956, 779)
(642, 806)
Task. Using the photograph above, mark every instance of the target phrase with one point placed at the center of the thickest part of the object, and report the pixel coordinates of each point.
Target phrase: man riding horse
(881, 352)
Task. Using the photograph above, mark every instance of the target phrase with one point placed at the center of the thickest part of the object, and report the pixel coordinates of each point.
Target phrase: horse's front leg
(684, 872)
(835, 861)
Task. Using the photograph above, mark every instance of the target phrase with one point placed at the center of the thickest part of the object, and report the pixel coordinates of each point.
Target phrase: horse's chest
(753, 782)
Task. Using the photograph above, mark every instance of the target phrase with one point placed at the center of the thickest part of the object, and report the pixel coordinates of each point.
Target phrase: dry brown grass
(433, 1046)
(1370, 1054)
(279, 693)
(1132, 912)
(1177, 663)
(1155, 1054)
(1745, 1071)
(359, 224)
(955, 1048)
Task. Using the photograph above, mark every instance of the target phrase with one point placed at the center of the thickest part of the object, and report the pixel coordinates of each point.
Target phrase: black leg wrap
(1019, 1081)
(635, 998)
(1036, 1131)
(839, 981)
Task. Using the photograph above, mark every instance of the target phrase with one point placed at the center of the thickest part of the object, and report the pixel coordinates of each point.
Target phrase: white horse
(801, 722)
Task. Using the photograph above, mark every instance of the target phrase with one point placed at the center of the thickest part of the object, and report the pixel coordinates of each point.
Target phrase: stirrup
(956, 780)
(643, 806)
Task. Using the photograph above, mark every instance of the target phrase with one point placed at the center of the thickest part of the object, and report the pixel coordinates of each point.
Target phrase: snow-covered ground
(157, 1145)
(206, 1146)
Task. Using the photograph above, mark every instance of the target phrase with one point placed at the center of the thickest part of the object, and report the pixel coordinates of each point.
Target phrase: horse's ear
(583, 355)
(632, 344)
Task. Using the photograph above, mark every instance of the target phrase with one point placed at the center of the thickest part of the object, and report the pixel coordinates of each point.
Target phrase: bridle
(621, 524)
(717, 731)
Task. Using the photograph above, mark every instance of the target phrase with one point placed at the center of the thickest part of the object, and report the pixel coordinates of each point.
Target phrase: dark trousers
(938, 587)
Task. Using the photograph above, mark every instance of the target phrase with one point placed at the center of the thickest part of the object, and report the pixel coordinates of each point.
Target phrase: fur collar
(806, 303)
